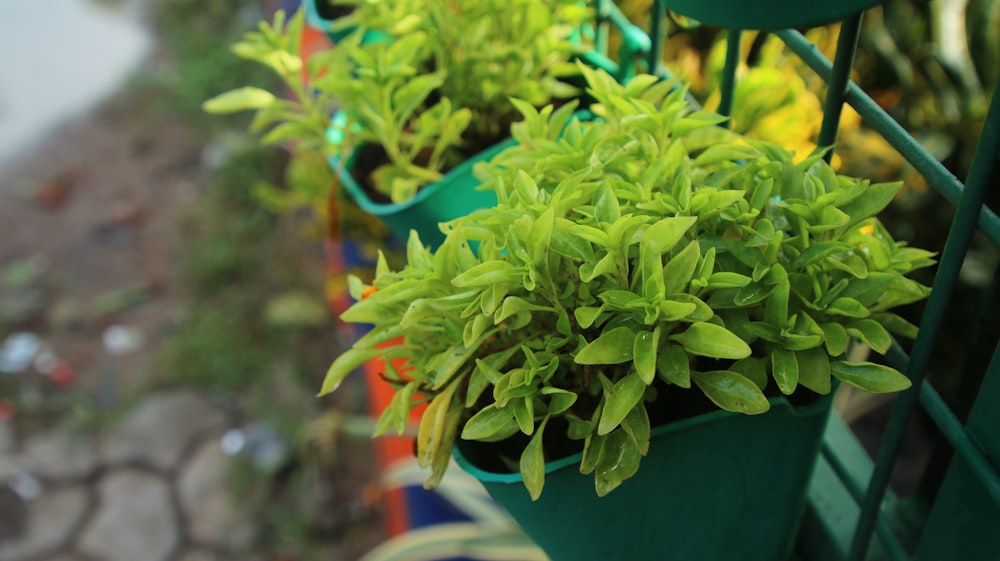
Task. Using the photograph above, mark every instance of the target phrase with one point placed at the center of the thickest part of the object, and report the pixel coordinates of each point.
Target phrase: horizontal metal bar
(964, 443)
(936, 174)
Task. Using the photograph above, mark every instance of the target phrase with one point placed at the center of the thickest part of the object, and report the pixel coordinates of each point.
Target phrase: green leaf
(533, 463)
(636, 424)
(611, 347)
(487, 422)
(587, 315)
(241, 99)
(896, 324)
(727, 280)
(715, 341)
(695, 121)
(674, 366)
(680, 268)
(627, 392)
(731, 391)
(725, 153)
(814, 370)
(872, 333)
(870, 377)
(344, 365)
(523, 409)
(672, 310)
(591, 449)
(817, 252)
(618, 461)
(489, 273)
(442, 455)
(432, 434)
(752, 369)
(871, 201)
(751, 294)
(663, 235)
(785, 370)
(835, 338)
(397, 414)
(848, 307)
(559, 400)
(644, 354)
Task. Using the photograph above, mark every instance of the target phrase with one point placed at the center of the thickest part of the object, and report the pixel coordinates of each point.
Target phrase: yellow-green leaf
(626, 394)
(487, 422)
(618, 461)
(644, 353)
(431, 434)
(533, 463)
(731, 391)
(785, 370)
(241, 99)
(870, 377)
(715, 341)
(611, 347)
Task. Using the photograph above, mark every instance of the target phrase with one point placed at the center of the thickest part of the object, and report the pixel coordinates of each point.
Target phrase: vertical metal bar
(729, 73)
(658, 12)
(601, 26)
(955, 247)
(836, 91)
(926, 164)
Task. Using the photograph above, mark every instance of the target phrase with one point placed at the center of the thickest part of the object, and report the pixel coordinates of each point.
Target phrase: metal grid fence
(968, 505)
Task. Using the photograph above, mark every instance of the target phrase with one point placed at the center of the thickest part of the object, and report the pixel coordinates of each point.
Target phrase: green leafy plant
(426, 81)
(629, 258)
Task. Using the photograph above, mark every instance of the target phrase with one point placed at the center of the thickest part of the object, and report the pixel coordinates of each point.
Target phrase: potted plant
(645, 273)
(418, 104)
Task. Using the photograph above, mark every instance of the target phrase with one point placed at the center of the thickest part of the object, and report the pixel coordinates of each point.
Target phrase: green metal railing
(966, 511)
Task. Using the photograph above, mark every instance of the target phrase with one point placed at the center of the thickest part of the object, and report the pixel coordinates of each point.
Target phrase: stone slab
(51, 521)
(135, 519)
(214, 519)
(59, 455)
(161, 429)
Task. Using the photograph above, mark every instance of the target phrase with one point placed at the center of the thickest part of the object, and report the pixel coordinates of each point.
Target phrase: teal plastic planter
(454, 196)
(768, 14)
(720, 486)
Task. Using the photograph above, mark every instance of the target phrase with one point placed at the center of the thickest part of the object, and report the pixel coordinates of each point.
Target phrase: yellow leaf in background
(240, 99)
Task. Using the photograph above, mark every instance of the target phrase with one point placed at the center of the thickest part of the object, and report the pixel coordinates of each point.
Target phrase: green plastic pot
(455, 195)
(768, 14)
(715, 487)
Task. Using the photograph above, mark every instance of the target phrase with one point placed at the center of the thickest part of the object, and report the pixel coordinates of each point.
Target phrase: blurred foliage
(199, 33)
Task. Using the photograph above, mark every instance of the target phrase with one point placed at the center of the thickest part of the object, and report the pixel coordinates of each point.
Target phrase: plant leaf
(611, 347)
(241, 99)
(644, 354)
(487, 422)
(627, 393)
(533, 463)
(715, 341)
(872, 333)
(785, 370)
(814, 370)
(618, 461)
(674, 366)
(731, 391)
(835, 338)
(431, 436)
(870, 377)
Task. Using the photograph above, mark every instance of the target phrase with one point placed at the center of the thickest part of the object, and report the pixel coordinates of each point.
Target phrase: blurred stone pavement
(149, 488)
